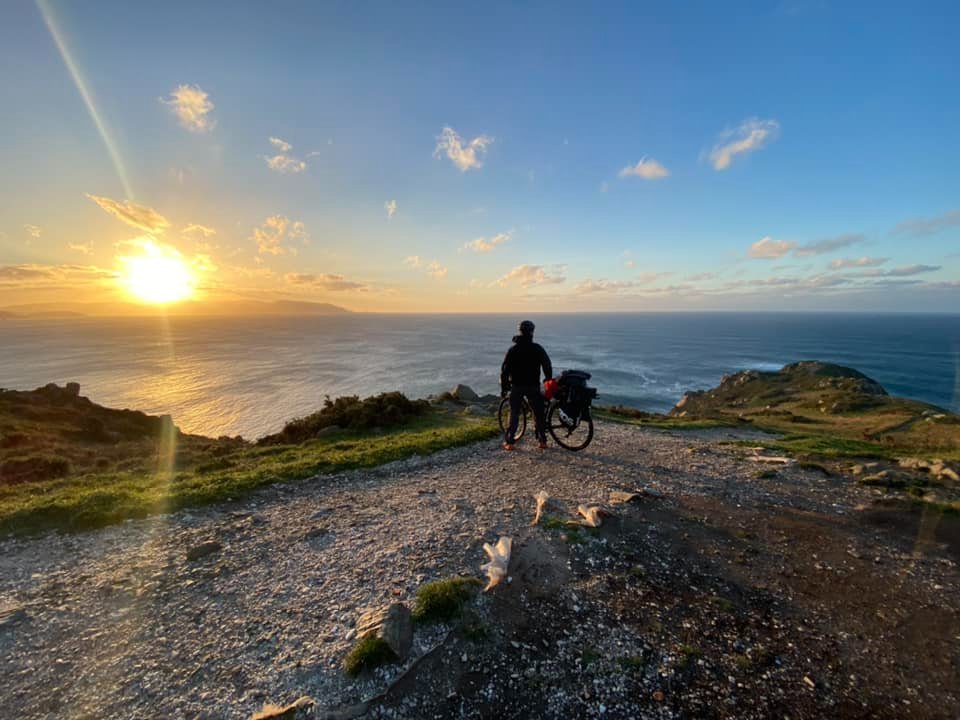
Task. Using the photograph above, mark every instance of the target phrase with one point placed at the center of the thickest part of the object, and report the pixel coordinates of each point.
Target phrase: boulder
(393, 624)
(464, 393)
(73, 388)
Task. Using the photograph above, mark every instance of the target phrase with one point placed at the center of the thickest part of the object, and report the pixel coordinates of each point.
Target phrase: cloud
(39, 275)
(753, 134)
(766, 248)
(587, 287)
(434, 269)
(483, 245)
(326, 281)
(843, 263)
(139, 216)
(628, 260)
(648, 169)
(908, 270)
(529, 275)
(276, 230)
(827, 245)
(700, 277)
(466, 157)
(192, 106)
(83, 248)
(391, 207)
(927, 226)
(198, 231)
(33, 230)
(283, 162)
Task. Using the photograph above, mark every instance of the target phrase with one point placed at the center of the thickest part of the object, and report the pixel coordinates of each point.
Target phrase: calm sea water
(247, 376)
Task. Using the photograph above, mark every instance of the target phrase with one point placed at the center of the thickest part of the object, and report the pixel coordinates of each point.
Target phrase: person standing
(520, 377)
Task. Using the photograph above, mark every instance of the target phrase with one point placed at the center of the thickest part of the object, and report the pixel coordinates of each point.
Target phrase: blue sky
(785, 155)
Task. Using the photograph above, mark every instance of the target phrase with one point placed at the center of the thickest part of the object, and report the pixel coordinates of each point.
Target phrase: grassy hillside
(67, 463)
(815, 409)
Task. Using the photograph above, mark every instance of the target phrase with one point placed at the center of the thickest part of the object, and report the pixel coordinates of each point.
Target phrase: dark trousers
(533, 396)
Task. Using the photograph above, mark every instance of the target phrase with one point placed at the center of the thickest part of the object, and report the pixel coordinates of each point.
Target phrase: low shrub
(385, 410)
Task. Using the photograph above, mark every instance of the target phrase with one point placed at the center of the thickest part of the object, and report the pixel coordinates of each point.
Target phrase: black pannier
(574, 394)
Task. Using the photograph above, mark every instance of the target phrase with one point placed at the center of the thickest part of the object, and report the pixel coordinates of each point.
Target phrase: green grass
(369, 653)
(95, 499)
(662, 422)
(443, 599)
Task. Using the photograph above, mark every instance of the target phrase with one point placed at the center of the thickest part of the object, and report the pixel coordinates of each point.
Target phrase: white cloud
(192, 106)
(276, 230)
(391, 207)
(648, 169)
(628, 261)
(466, 157)
(753, 134)
(587, 287)
(861, 262)
(326, 281)
(529, 275)
(767, 248)
(907, 270)
(433, 268)
(927, 226)
(436, 270)
(821, 247)
(139, 216)
(700, 277)
(33, 230)
(483, 245)
(194, 230)
(82, 248)
(283, 162)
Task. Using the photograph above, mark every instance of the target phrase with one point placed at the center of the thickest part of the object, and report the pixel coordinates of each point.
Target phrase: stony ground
(738, 594)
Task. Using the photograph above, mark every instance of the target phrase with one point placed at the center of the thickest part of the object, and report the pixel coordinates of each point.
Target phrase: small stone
(203, 550)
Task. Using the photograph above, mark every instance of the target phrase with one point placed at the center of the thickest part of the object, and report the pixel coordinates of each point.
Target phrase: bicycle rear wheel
(570, 433)
(503, 417)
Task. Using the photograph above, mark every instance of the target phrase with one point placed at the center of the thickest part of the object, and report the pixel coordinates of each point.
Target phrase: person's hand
(504, 392)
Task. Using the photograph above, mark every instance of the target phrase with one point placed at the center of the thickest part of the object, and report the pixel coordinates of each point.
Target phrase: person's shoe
(543, 445)
(509, 446)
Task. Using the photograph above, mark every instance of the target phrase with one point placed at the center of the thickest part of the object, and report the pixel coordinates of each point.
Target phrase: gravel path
(119, 623)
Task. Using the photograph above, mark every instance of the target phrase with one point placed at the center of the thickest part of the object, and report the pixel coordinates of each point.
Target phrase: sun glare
(157, 276)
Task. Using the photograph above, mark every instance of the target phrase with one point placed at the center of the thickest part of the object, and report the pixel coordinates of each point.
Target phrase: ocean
(230, 376)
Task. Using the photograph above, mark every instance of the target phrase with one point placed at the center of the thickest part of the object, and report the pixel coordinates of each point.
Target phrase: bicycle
(560, 424)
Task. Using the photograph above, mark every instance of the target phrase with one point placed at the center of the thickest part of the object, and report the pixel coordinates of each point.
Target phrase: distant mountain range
(231, 307)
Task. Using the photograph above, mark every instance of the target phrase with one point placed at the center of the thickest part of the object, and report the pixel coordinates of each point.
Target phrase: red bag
(550, 388)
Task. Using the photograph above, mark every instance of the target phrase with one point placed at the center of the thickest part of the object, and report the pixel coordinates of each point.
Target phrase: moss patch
(443, 599)
(368, 654)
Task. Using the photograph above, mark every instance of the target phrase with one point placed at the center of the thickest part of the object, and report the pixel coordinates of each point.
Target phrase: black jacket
(522, 363)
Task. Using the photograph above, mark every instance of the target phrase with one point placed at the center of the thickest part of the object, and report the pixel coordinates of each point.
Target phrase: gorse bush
(385, 410)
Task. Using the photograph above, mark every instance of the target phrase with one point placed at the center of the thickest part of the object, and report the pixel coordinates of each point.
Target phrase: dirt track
(731, 596)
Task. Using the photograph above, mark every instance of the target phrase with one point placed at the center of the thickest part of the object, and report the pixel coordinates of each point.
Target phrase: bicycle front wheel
(503, 417)
(570, 433)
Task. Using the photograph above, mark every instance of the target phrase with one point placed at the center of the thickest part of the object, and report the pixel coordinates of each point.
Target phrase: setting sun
(157, 276)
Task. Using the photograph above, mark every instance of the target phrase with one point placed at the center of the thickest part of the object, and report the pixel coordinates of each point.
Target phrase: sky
(413, 157)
